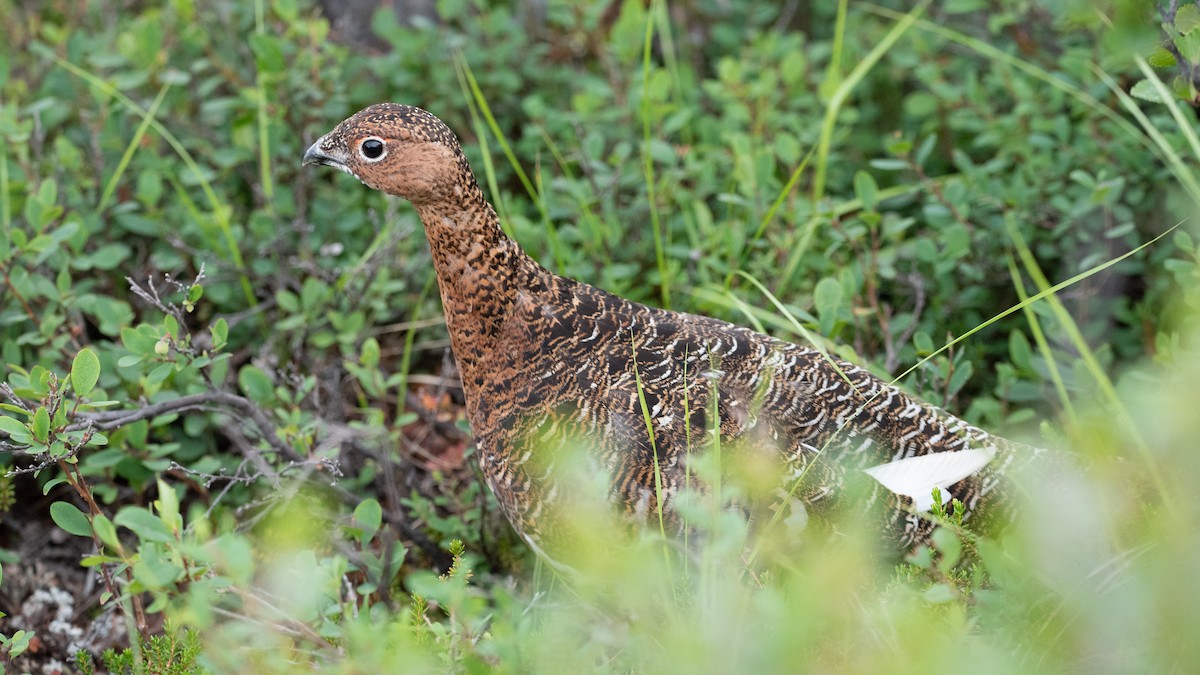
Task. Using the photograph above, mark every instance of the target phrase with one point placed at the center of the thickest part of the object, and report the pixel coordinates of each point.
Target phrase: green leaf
(370, 353)
(269, 53)
(1187, 19)
(85, 371)
(167, 506)
(53, 483)
(159, 373)
(171, 326)
(1182, 239)
(827, 296)
(287, 301)
(368, 515)
(313, 294)
(962, 373)
(949, 545)
(137, 341)
(18, 643)
(220, 333)
(13, 427)
(1146, 91)
(155, 570)
(866, 189)
(1161, 58)
(923, 343)
(1020, 351)
(146, 525)
(286, 9)
(255, 383)
(129, 360)
(70, 519)
(106, 531)
(41, 424)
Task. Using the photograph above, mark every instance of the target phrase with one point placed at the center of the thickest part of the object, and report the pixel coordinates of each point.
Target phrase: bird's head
(398, 149)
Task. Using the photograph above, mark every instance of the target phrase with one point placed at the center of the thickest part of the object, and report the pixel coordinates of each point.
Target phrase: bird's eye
(371, 149)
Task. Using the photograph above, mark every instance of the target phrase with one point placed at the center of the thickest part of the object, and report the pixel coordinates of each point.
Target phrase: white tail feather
(915, 477)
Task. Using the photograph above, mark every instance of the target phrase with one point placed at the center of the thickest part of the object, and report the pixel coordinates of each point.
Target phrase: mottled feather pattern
(548, 362)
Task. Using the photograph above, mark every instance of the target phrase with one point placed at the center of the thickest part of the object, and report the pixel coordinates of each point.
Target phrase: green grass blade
(1068, 325)
(489, 167)
(1163, 147)
(410, 337)
(1186, 127)
(481, 107)
(263, 119)
(5, 206)
(843, 92)
(649, 421)
(486, 111)
(1035, 326)
(1044, 293)
(134, 143)
(770, 214)
(808, 337)
(648, 162)
(219, 210)
(595, 228)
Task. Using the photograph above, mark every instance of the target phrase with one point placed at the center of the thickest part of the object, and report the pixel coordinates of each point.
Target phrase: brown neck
(480, 271)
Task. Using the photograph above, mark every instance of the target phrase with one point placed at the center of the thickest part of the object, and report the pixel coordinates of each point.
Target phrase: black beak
(314, 155)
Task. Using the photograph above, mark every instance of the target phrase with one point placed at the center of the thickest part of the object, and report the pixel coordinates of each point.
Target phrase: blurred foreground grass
(1099, 574)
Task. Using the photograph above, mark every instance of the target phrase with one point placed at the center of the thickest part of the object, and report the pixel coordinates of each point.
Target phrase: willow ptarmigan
(547, 361)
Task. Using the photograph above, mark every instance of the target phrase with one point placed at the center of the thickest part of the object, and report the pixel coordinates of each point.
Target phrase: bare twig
(202, 401)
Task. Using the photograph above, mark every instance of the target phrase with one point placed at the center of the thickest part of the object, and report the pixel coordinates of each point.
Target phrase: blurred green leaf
(865, 189)
(255, 383)
(146, 525)
(220, 333)
(827, 296)
(268, 52)
(368, 515)
(1146, 91)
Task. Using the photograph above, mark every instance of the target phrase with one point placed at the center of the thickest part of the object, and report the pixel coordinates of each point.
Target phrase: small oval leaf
(13, 427)
(41, 425)
(107, 532)
(255, 383)
(146, 525)
(827, 296)
(70, 519)
(368, 515)
(85, 371)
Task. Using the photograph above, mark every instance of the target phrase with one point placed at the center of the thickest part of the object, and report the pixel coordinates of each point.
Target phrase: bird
(549, 362)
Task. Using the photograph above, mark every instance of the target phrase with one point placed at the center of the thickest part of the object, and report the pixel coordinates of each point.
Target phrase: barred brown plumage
(546, 360)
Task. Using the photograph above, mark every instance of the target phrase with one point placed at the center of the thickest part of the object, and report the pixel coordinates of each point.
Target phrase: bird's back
(641, 391)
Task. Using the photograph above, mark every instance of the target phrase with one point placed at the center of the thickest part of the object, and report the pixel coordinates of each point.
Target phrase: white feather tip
(915, 477)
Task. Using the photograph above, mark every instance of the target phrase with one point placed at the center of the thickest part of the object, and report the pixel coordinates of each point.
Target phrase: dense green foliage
(228, 375)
